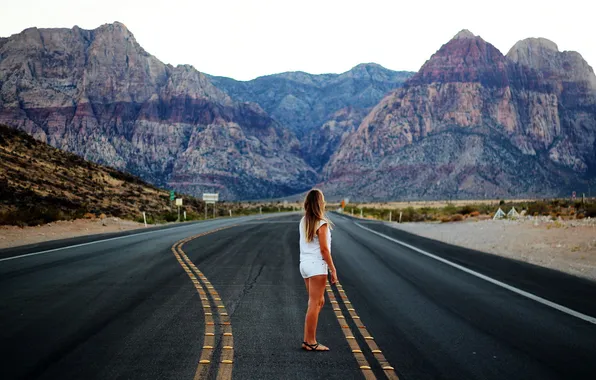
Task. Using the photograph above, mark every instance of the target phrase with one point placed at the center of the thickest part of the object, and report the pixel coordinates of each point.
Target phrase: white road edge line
(92, 242)
(531, 296)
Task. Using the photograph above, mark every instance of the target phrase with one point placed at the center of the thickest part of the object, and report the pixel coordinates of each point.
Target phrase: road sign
(210, 197)
(573, 195)
(172, 195)
(178, 201)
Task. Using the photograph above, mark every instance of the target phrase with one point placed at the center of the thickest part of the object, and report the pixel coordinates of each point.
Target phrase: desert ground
(568, 246)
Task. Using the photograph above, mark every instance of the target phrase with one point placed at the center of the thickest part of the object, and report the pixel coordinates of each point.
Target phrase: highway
(224, 299)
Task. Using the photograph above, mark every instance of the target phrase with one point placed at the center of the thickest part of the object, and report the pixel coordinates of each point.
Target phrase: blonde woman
(315, 262)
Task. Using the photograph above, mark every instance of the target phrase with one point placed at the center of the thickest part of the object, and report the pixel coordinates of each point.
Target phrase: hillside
(40, 184)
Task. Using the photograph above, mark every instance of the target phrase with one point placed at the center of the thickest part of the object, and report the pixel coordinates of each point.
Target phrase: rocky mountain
(475, 123)
(98, 94)
(472, 123)
(305, 101)
(320, 109)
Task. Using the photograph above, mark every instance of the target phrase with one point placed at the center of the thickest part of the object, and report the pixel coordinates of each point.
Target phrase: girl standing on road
(315, 262)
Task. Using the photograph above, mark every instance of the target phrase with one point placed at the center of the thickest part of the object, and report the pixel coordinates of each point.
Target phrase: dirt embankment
(568, 246)
(12, 236)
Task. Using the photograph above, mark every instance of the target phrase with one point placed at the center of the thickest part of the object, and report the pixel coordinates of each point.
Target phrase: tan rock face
(97, 93)
(533, 113)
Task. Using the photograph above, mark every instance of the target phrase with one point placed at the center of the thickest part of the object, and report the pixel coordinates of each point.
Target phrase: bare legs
(315, 286)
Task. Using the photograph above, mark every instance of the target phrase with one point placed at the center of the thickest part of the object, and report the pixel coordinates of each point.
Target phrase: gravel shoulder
(568, 246)
(13, 236)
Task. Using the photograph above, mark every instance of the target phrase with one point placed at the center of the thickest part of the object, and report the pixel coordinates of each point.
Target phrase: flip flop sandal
(311, 347)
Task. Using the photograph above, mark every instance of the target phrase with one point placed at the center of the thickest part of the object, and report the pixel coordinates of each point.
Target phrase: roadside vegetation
(564, 209)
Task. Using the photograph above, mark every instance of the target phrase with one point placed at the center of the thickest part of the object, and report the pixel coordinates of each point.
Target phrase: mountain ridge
(369, 132)
(470, 86)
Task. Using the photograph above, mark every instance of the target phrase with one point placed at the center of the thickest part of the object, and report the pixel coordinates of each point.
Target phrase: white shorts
(315, 267)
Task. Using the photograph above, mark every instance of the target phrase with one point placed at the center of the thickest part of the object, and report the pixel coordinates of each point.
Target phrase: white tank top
(312, 250)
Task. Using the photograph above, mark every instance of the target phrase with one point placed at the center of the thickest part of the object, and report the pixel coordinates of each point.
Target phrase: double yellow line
(351, 338)
(217, 323)
(217, 320)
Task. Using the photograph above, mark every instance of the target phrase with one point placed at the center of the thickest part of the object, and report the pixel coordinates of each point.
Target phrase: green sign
(172, 195)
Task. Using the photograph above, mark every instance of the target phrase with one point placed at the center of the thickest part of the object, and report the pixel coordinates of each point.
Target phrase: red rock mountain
(474, 123)
(97, 93)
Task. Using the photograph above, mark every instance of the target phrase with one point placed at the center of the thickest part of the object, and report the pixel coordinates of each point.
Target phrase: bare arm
(325, 252)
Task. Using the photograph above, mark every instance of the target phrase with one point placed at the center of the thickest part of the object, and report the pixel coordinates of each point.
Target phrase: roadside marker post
(389, 216)
(260, 211)
(184, 215)
(360, 213)
(230, 213)
(178, 204)
(400, 216)
(145, 218)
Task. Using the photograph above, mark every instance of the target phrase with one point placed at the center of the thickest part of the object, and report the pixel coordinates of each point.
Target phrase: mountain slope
(39, 183)
(98, 94)
(474, 123)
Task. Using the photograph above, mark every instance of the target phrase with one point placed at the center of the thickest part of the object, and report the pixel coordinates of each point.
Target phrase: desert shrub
(501, 202)
(467, 209)
(580, 216)
(457, 218)
(485, 209)
(475, 213)
(538, 208)
(590, 211)
(445, 219)
(450, 209)
(32, 216)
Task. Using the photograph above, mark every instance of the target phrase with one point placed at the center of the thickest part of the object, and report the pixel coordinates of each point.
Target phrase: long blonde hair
(314, 212)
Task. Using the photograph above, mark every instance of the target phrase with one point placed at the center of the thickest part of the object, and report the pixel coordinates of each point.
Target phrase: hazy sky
(244, 39)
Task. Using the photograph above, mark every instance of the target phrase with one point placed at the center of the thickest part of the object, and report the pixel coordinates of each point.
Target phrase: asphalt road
(129, 308)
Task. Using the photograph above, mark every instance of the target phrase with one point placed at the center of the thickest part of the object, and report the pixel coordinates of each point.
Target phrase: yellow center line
(206, 289)
(370, 342)
(356, 351)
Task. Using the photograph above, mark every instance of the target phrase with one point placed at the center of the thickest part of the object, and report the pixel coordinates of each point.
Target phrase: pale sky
(244, 39)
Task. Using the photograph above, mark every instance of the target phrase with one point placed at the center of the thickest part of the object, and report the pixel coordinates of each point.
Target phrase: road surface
(224, 299)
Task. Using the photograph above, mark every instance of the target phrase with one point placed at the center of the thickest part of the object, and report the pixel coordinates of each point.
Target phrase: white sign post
(210, 198)
(178, 204)
(145, 218)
